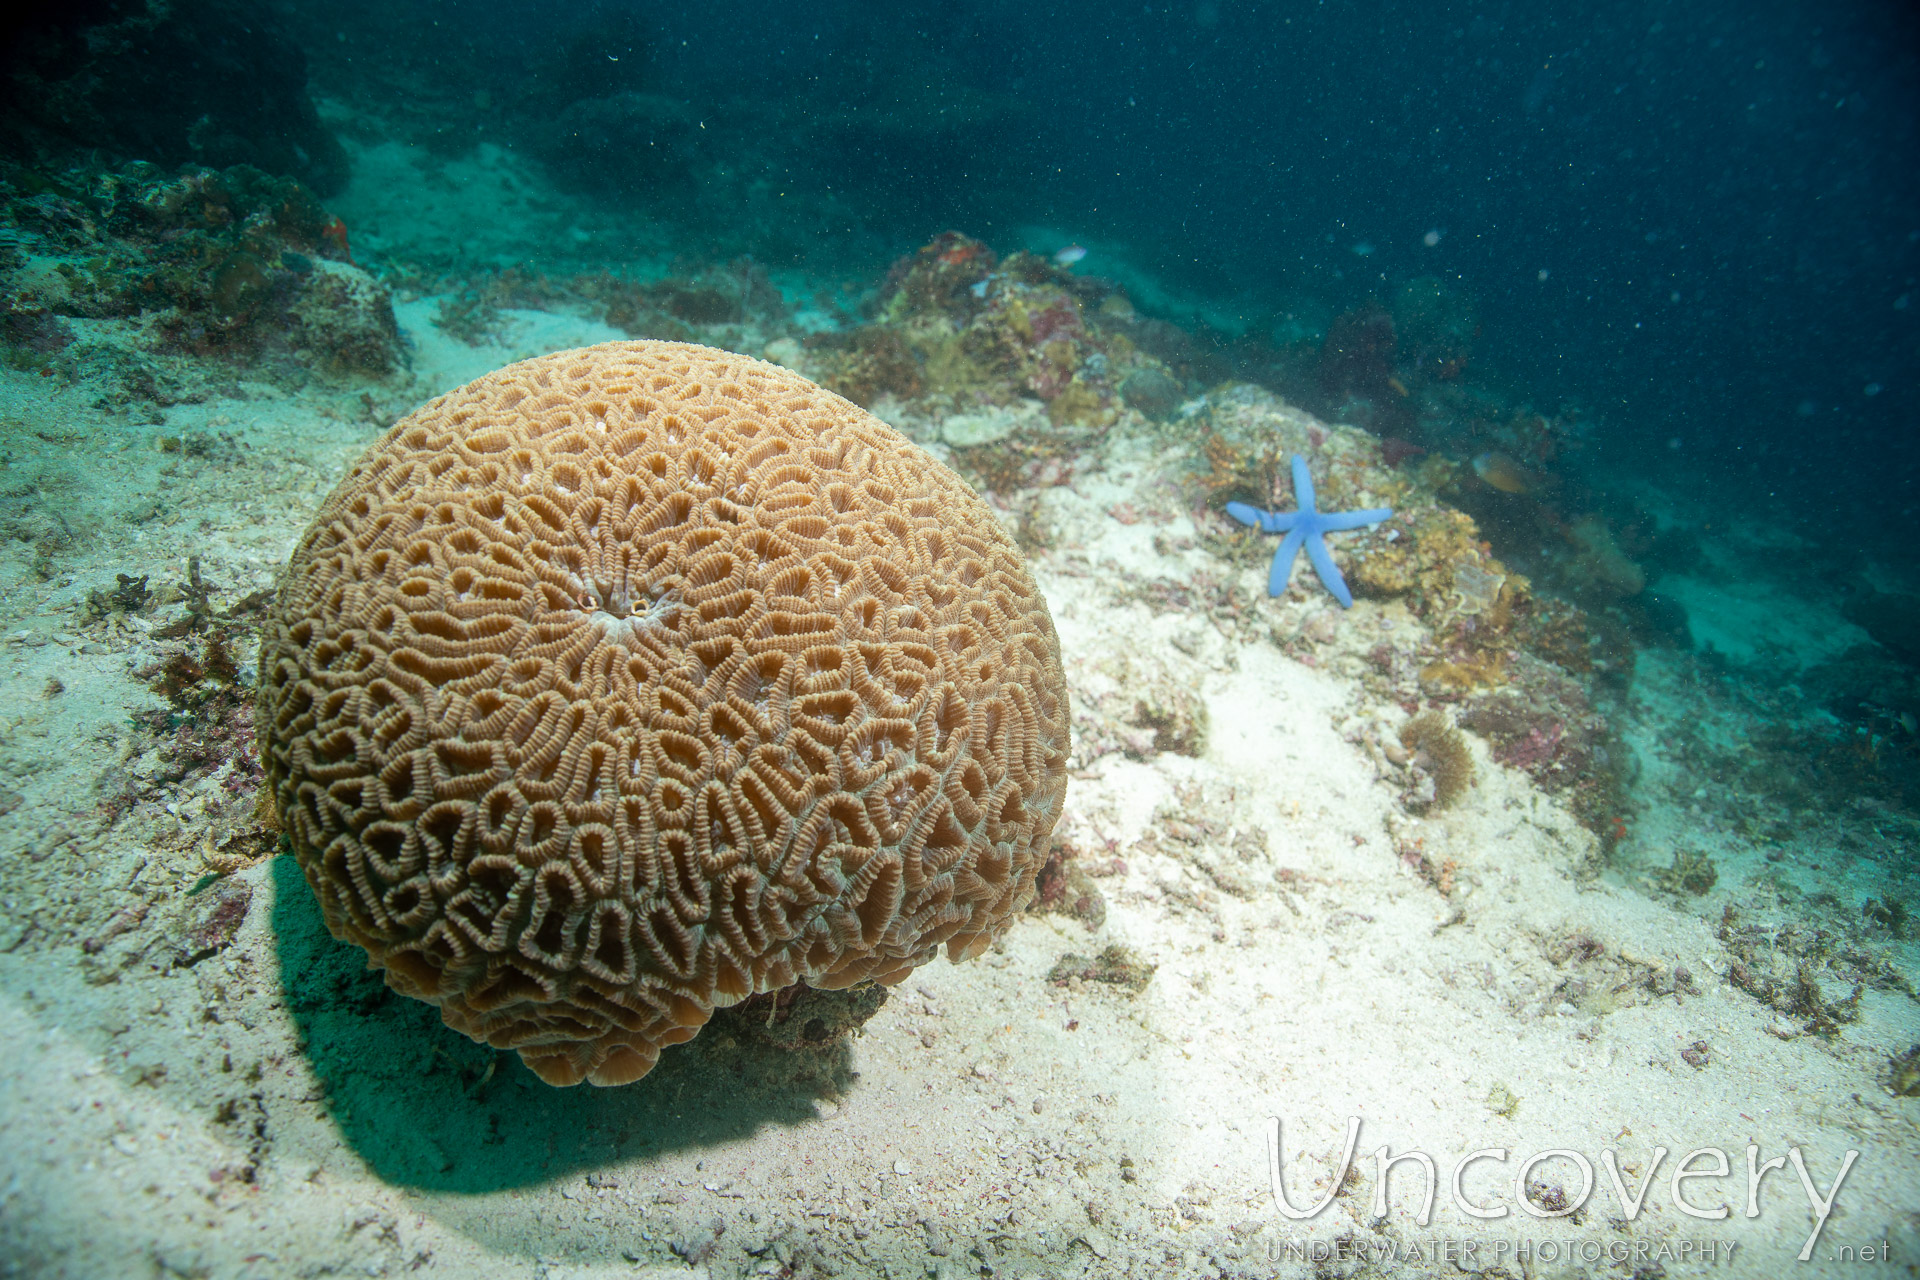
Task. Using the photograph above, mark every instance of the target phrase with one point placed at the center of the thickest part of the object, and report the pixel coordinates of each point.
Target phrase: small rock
(1098, 1242)
(50, 839)
(346, 315)
(1176, 716)
(1323, 627)
(971, 430)
(785, 352)
(697, 1245)
(902, 1168)
(217, 920)
(1117, 963)
(1154, 394)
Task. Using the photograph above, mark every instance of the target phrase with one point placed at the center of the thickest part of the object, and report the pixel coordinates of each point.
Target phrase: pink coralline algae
(1536, 749)
(1060, 318)
(1545, 726)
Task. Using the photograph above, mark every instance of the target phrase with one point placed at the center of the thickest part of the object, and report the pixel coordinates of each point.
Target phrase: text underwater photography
(1690, 1184)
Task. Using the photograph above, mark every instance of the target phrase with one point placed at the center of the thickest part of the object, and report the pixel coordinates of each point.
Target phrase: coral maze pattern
(630, 681)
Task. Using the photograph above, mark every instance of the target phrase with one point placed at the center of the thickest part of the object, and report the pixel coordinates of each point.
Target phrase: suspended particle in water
(1432, 237)
(1542, 275)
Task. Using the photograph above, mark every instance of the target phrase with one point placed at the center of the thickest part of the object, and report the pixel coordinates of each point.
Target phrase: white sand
(175, 1118)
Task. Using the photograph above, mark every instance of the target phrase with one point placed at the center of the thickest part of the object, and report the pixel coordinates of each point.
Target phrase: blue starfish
(1306, 525)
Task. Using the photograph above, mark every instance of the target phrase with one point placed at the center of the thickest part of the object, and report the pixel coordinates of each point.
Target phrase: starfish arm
(1278, 521)
(1283, 562)
(1252, 516)
(1335, 521)
(1264, 521)
(1329, 572)
(1302, 484)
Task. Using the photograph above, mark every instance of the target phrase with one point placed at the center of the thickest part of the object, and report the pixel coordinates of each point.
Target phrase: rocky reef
(192, 82)
(233, 263)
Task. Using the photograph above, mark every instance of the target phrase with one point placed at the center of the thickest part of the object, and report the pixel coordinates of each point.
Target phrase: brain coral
(631, 681)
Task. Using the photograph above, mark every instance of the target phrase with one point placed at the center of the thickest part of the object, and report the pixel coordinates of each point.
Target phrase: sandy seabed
(201, 1083)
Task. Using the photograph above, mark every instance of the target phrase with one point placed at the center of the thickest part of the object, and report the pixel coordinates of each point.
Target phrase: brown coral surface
(631, 681)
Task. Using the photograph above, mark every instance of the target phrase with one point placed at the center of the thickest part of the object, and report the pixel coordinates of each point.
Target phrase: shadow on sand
(418, 1102)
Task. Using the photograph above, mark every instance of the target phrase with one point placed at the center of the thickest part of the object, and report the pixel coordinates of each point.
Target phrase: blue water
(1701, 222)
(1696, 221)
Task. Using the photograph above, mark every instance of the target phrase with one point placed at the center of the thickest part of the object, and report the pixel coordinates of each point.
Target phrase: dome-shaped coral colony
(630, 681)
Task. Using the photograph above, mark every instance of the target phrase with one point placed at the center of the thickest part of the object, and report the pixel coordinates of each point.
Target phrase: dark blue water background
(1701, 221)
